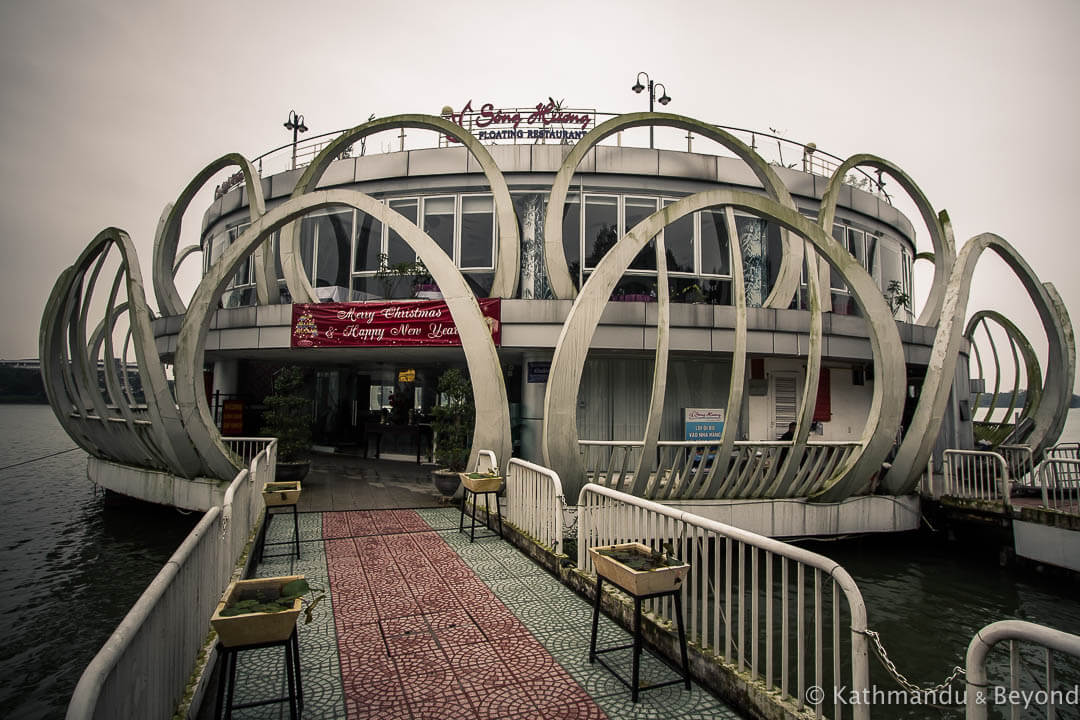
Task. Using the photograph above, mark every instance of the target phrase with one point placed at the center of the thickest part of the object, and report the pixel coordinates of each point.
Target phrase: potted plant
(453, 420)
(288, 418)
(391, 276)
(262, 610)
(639, 569)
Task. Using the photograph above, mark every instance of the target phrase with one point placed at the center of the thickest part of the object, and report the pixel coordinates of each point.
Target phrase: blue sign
(538, 372)
(704, 425)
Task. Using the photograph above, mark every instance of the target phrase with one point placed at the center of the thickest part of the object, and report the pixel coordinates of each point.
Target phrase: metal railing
(535, 503)
(1059, 479)
(981, 695)
(683, 469)
(767, 608)
(776, 149)
(1021, 464)
(610, 463)
(976, 475)
(1065, 450)
(246, 448)
(242, 504)
(138, 675)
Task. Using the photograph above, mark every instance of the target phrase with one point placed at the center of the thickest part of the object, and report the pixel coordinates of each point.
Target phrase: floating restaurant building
(690, 326)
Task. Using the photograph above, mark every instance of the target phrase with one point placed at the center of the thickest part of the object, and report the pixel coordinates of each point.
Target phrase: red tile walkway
(420, 635)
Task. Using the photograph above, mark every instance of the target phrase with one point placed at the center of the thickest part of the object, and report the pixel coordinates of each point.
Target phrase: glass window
(243, 275)
(715, 249)
(477, 231)
(890, 266)
(217, 247)
(397, 250)
(907, 261)
(634, 211)
(836, 281)
(752, 242)
(439, 222)
(368, 243)
(856, 245)
(601, 227)
(873, 266)
(679, 243)
(571, 237)
(774, 252)
(271, 246)
(307, 246)
(332, 259)
(635, 288)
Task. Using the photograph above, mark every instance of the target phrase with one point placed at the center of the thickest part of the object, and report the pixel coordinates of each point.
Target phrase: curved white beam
(492, 429)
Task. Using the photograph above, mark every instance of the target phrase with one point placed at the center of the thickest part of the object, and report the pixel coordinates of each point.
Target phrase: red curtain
(823, 406)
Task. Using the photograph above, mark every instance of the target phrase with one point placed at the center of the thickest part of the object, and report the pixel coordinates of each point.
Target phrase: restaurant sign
(547, 121)
(703, 424)
(384, 324)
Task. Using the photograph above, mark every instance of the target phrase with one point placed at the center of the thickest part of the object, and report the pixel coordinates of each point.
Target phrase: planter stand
(640, 585)
(227, 677)
(280, 497)
(488, 485)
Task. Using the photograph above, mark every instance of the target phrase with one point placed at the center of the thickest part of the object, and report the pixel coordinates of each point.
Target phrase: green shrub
(288, 415)
(454, 418)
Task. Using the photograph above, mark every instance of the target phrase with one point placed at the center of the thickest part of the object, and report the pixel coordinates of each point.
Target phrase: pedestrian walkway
(346, 482)
(419, 623)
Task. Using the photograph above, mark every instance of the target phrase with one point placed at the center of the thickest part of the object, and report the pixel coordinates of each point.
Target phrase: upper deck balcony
(437, 183)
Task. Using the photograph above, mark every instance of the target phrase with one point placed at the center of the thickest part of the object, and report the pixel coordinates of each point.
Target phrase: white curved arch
(167, 236)
(492, 429)
(508, 258)
(944, 248)
(560, 433)
(71, 393)
(918, 442)
(787, 281)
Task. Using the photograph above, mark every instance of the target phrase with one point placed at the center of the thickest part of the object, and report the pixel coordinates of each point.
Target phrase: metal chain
(903, 681)
(570, 531)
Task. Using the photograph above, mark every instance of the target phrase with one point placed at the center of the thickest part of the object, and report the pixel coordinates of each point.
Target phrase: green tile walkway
(419, 623)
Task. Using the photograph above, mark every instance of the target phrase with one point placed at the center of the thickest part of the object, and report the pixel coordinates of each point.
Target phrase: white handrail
(178, 604)
(247, 447)
(1059, 479)
(1065, 450)
(535, 503)
(1021, 462)
(977, 475)
(486, 461)
(720, 553)
(99, 673)
(979, 693)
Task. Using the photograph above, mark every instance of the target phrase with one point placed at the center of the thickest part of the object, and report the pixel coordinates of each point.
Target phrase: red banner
(384, 324)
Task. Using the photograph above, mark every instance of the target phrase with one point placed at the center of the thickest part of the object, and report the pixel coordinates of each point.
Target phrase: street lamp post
(296, 124)
(663, 99)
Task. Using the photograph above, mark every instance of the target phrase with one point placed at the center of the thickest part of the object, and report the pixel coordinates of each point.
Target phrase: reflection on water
(71, 565)
(927, 597)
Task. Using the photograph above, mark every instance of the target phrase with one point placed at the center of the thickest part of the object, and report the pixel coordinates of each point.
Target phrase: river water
(72, 565)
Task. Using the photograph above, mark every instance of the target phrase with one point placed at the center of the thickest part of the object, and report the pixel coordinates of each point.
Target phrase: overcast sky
(110, 108)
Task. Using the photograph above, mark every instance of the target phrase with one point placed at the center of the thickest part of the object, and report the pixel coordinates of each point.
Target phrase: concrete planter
(446, 481)
(257, 627)
(281, 493)
(655, 578)
(291, 471)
